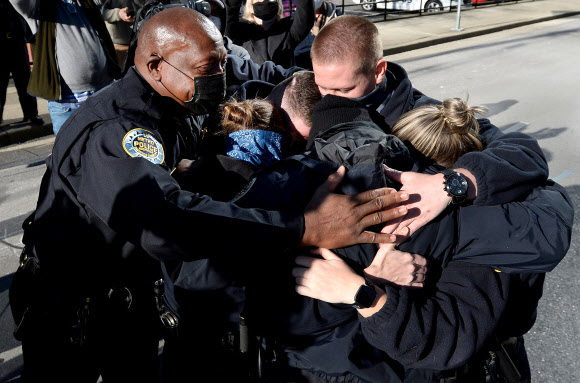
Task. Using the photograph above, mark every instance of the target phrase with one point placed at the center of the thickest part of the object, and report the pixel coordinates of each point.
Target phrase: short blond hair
(249, 11)
(442, 132)
(349, 39)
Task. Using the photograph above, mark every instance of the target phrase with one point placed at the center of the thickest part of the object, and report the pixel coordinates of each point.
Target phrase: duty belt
(169, 320)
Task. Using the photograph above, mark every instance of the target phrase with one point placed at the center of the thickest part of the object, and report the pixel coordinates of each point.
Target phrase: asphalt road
(529, 79)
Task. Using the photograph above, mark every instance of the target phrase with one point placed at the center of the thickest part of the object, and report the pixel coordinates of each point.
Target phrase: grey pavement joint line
(12, 226)
(10, 354)
(564, 174)
(516, 127)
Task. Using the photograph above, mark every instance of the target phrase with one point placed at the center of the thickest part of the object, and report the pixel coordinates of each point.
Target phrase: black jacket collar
(141, 96)
(335, 110)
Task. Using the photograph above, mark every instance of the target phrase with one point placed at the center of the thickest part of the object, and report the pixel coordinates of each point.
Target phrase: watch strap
(447, 172)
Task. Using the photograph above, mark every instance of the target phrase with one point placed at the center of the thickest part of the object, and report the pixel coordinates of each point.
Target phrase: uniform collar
(380, 95)
(143, 97)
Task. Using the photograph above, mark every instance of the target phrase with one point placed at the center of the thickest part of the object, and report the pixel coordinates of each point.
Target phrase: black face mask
(265, 10)
(209, 91)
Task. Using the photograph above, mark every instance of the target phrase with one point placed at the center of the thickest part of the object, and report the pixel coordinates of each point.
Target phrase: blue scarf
(258, 147)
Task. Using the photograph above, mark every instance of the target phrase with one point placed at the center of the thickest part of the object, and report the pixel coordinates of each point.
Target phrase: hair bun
(250, 114)
(236, 112)
(460, 117)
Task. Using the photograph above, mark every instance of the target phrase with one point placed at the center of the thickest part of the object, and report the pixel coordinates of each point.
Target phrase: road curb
(16, 133)
(466, 35)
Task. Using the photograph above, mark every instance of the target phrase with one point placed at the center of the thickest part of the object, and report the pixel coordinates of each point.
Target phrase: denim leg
(59, 114)
(21, 75)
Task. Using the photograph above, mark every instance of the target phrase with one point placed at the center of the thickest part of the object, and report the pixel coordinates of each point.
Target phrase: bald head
(174, 29)
(175, 47)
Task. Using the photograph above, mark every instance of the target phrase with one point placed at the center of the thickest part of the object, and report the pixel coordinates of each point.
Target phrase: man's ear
(153, 62)
(380, 71)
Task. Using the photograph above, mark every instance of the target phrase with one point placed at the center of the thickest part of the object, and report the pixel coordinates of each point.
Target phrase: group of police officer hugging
(147, 211)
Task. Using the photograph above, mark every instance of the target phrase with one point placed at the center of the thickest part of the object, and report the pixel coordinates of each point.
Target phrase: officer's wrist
(471, 181)
(380, 301)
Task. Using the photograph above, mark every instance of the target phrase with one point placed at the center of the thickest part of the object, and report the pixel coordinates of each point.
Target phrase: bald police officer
(109, 208)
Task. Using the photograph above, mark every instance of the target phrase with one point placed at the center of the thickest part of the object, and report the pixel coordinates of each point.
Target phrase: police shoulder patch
(142, 143)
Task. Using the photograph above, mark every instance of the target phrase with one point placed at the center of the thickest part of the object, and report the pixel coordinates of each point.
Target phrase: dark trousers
(16, 62)
(121, 346)
(202, 355)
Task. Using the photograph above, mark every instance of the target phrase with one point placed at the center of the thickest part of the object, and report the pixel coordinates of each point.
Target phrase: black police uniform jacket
(108, 208)
(114, 197)
(466, 302)
(439, 327)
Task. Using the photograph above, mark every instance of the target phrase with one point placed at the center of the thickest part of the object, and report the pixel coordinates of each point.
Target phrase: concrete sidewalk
(410, 33)
(13, 130)
(398, 35)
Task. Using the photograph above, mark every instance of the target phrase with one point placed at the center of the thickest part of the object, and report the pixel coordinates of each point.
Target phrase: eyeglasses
(170, 64)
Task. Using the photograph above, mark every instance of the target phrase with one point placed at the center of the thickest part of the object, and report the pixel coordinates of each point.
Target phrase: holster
(29, 302)
(23, 291)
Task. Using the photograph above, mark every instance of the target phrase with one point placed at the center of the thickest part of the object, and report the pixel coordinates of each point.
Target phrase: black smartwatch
(455, 185)
(365, 296)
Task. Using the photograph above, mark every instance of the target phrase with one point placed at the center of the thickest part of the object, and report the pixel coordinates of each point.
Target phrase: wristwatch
(455, 185)
(365, 296)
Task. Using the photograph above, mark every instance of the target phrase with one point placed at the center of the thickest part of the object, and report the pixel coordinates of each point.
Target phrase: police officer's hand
(398, 267)
(183, 166)
(334, 221)
(331, 280)
(328, 278)
(427, 197)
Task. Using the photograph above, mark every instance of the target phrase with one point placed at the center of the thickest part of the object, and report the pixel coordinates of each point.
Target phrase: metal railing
(379, 10)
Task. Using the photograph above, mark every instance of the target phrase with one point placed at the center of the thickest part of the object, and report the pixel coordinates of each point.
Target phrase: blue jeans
(59, 112)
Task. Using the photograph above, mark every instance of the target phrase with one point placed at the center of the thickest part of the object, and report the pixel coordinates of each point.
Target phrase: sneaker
(36, 120)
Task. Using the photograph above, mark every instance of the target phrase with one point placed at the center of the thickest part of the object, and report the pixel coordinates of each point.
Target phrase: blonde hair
(251, 114)
(249, 11)
(442, 132)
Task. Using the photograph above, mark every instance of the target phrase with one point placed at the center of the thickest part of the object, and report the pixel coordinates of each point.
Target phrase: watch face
(456, 185)
(365, 297)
